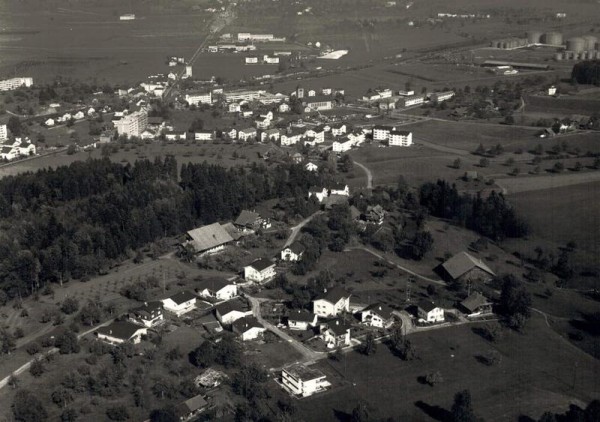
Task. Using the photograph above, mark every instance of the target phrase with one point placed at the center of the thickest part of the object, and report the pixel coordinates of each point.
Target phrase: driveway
(296, 229)
(369, 174)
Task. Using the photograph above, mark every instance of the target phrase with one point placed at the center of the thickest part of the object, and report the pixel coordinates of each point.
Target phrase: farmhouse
(204, 135)
(299, 319)
(400, 138)
(302, 381)
(208, 239)
(149, 315)
(246, 134)
(248, 328)
(332, 302)
(217, 288)
(180, 303)
(378, 315)
(232, 310)
(120, 332)
(375, 214)
(293, 252)
(250, 220)
(190, 408)
(428, 312)
(465, 268)
(319, 193)
(476, 305)
(336, 334)
(259, 271)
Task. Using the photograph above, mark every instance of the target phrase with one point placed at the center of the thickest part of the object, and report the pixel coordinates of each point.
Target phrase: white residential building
(4, 131)
(251, 60)
(339, 189)
(339, 129)
(293, 252)
(243, 95)
(302, 381)
(299, 319)
(318, 192)
(342, 145)
(378, 315)
(382, 133)
(132, 124)
(148, 315)
(204, 135)
(411, 100)
(311, 166)
(439, 97)
(400, 138)
(217, 288)
(180, 303)
(120, 332)
(428, 312)
(270, 135)
(259, 271)
(248, 328)
(332, 302)
(231, 311)
(14, 83)
(246, 134)
(196, 98)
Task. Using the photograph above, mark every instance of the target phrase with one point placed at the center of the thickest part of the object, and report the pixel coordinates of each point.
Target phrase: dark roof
(247, 217)
(315, 189)
(190, 405)
(463, 262)
(147, 308)
(427, 305)
(400, 132)
(381, 127)
(261, 264)
(230, 306)
(333, 295)
(338, 327)
(380, 309)
(120, 329)
(339, 186)
(296, 248)
(474, 301)
(301, 315)
(244, 324)
(182, 297)
(214, 283)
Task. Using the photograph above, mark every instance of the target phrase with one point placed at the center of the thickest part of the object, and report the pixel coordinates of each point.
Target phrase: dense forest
(492, 217)
(587, 72)
(76, 220)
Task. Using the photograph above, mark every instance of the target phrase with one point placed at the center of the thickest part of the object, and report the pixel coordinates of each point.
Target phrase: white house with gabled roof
(180, 303)
(332, 302)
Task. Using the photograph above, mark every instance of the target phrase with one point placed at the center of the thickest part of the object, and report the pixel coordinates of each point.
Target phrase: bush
(33, 348)
(37, 368)
(70, 306)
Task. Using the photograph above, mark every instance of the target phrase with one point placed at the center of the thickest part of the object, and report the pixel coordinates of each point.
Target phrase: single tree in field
(434, 378)
(457, 163)
(462, 410)
(369, 347)
(360, 413)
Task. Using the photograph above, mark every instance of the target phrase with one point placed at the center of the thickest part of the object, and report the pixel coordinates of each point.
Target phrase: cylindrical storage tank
(553, 38)
(568, 55)
(504, 45)
(534, 37)
(558, 56)
(590, 42)
(576, 44)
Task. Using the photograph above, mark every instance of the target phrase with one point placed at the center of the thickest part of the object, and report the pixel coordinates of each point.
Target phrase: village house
(291, 136)
(465, 268)
(248, 328)
(204, 135)
(338, 129)
(339, 189)
(293, 252)
(251, 220)
(217, 288)
(318, 192)
(332, 302)
(297, 158)
(336, 333)
(79, 115)
(311, 167)
(476, 305)
(375, 214)
(438, 97)
(50, 122)
(400, 138)
(120, 332)
(208, 239)
(302, 381)
(262, 122)
(232, 133)
(284, 108)
(175, 136)
(314, 136)
(326, 91)
(343, 145)
(246, 134)
(210, 378)
(259, 271)
(357, 136)
(148, 315)
(299, 319)
(9, 150)
(230, 311)
(190, 408)
(234, 108)
(180, 303)
(378, 315)
(270, 135)
(428, 312)
(311, 93)
(148, 134)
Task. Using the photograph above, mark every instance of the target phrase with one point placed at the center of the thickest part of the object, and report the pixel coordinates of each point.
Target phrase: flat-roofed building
(303, 381)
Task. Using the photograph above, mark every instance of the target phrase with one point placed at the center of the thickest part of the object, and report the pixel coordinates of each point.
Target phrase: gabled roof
(339, 186)
(338, 327)
(316, 189)
(231, 230)
(246, 323)
(231, 306)
(147, 308)
(296, 248)
(474, 301)
(333, 295)
(121, 329)
(463, 262)
(247, 131)
(247, 217)
(182, 297)
(214, 284)
(208, 237)
(380, 309)
(190, 405)
(427, 305)
(301, 315)
(261, 264)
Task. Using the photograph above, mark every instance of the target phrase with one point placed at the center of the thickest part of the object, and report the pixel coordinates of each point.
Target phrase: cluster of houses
(66, 117)
(386, 99)
(18, 147)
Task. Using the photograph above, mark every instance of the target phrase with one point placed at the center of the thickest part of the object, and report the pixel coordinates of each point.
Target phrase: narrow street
(296, 229)
(368, 172)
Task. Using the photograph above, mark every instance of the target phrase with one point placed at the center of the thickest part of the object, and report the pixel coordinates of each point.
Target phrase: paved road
(308, 354)
(296, 229)
(25, 366)
(399, 266)
(369, 174)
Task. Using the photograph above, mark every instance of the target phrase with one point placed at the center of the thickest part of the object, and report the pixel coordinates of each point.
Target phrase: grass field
(522, 384)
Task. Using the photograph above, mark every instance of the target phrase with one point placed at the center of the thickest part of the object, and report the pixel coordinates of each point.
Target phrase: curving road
(369, 174)
(296, 229)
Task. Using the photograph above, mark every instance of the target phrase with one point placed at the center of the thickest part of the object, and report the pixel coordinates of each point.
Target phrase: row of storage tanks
(574, 55)
(533, 37)
(576, 44)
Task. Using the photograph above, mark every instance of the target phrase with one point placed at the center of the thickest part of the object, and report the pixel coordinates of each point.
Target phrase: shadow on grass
(341, 415)
(435, 412)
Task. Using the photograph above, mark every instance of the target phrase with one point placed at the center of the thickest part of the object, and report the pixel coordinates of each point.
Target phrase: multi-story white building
(259, 271)
(132, 124)
(14, 83)
(411, 100)
(332, 302)
(4, 132)
(303, 381)
(428, 312)
(180, 303)
(245, 134)
(204, 135)
(196, 98)
(243, 95)
(400, 138)
(438, 97)
(382, 133)
(342, 145)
